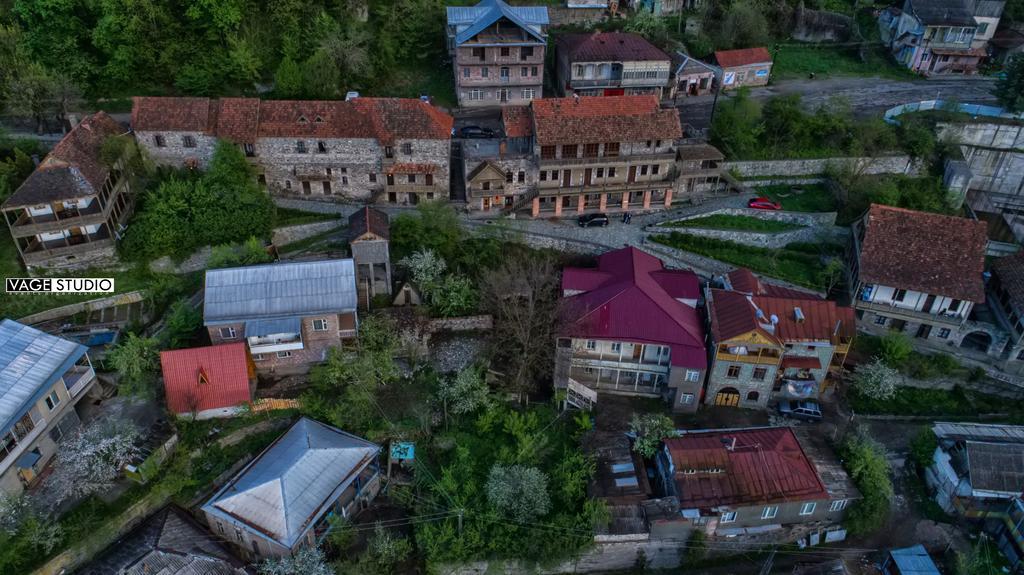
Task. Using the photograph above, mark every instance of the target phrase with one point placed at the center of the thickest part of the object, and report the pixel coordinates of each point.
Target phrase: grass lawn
(729, 222)
(936, 402)
(415, 79)
(826, 60)
(796, 266)
(291, 217)
(812, 198)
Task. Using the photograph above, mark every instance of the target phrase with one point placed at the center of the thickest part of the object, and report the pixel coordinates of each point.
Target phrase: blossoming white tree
(91, 460)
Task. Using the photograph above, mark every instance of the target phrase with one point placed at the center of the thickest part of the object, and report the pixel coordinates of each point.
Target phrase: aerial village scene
(474, 287)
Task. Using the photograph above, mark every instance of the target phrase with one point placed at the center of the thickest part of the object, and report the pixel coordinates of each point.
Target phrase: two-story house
(631, 327)
(369, 235)
(290, 314)
(735, 482)
(769, 341)
(497, 52)
(604, 154)
(941, 36)
(69, 212)
(42, 380)
(282, 500)
(610, 64)
(501, 173)
(918, 273)
(389, 150)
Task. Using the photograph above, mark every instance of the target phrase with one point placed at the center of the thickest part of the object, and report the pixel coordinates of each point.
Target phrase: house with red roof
(610, 64)
(736, 482)
(770, 341)
(746, 67)
(208, 382)
(393, 150)
(631, 327)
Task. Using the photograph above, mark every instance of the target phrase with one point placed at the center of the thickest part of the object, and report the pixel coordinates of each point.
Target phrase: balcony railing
(594, 361)
(892, 310)
(617, 160)
(274, 344)
(750, 358)
(78, 378)
(20, 446)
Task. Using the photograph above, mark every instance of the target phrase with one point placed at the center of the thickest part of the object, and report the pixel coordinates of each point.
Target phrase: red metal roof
(764, 465)
(632, 297)
(734, 313)
(745, 57)
(744, 280)
(609, 47)
(226, 368)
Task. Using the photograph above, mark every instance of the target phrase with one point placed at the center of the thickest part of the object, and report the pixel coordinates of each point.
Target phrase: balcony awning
(800, 362)
(263, 327)
(28, 459)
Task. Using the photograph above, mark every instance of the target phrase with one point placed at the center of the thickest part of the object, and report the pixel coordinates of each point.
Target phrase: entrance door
(928, 303)
(391, 179)
(636, 352)
(727, 397)
(566, 178)
(487, 203)
(586, 176)
(923, 331)
(632, 175)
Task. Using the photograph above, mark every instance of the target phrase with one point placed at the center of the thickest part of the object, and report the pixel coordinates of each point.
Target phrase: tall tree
(1010, 88)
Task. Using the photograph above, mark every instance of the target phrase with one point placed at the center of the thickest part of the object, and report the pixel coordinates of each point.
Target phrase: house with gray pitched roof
(498, 52)
(282, 500)
(42, 379)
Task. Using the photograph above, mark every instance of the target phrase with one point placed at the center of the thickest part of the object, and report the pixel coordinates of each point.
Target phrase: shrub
(650, 429)
(922, 447)
(896, 348)
(865, 461)
(876, 380)
(519, 492)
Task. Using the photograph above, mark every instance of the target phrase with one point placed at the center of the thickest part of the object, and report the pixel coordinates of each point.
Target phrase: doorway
(727, 397)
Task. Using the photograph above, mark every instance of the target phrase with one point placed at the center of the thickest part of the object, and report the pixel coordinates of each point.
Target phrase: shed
(909, 561)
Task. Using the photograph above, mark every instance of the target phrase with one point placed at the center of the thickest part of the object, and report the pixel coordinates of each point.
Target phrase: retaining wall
(817, 227)
(465, 323)
(899, 164)
(290, 234)
(85, 306)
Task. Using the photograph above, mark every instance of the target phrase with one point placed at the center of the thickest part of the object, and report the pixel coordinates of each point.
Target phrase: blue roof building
(909, 561)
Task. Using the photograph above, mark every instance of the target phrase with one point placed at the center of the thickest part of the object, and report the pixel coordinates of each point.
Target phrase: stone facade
(494, 185)
(310, 348)
(815, 227)
(897, 164)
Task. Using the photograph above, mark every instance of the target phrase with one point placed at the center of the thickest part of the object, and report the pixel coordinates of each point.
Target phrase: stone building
(769, 341)
(610, 64)
(369, 234)
(290, 314)
(941, 36)
(70, 211)
(498, 52)
(387, 150)
(501, 173)
(747, 67)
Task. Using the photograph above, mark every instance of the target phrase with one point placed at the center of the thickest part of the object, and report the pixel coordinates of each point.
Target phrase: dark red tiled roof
(609, 47)
(930, 253)
(244, 119)
(1010, 272)
(604, 119)
(225, 367)
(745, 57)
(765, 465)
(73, 169)
(631, 297)
(369, 220)
(517, 121)
(734, 313)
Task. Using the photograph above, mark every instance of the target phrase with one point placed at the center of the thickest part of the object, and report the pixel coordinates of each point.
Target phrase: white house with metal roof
(290, 314)
(281, 501)
(498, 52)
(42, 378)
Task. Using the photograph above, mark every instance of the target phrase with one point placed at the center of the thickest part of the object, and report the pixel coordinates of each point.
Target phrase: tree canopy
(1010, 88)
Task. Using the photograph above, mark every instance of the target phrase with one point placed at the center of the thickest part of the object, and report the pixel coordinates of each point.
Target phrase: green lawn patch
(730, 222)
(791, 265)
(305, 244)
(292, 217)
(802, 198)
(414, 79)
(956, 402)
(827, 60)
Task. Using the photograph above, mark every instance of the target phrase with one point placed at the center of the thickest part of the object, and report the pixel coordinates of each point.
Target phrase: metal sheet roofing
(279, 290)
(31, 361)
(224, 368)
(471, 20)
(284, 491)
(913, 561)
(996, 466)
(261, 327)
(993, 433)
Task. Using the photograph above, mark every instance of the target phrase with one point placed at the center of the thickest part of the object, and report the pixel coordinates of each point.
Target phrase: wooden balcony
(908, 314)
(38, 252)
(620, 161)
(751, 358)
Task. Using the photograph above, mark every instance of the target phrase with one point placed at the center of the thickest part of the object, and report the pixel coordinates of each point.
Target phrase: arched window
(753, 396)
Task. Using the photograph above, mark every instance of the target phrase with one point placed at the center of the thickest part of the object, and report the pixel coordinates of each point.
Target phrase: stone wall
(817, 227)
(465, 323)
(899, 164)
(290, 234)
(103, 257)
(618, 556)
(195, 262)
(565, 16)
(173, 152)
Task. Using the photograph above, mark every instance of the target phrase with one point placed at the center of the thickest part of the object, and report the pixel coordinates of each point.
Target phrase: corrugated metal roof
(913, 561)
(260, 327)
(279, 290)
(471, 20)
(996, 466)
(284, 491)
(996, 433)
(224, 367)
(31, 361)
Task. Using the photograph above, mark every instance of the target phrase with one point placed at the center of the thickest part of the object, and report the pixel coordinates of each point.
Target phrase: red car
(763, 204)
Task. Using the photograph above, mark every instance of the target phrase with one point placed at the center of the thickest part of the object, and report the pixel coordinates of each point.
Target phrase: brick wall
(314, 349)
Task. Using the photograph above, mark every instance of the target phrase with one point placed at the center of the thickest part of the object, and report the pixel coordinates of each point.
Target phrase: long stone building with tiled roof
(388, 150)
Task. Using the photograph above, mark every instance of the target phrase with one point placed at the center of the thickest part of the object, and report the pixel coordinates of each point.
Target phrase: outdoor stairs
(521, 201)
(735, 184)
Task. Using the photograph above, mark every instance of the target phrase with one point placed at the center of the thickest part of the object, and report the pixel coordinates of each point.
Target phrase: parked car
(476, 132)
(763, 204)
(593, 220)
(806, 410)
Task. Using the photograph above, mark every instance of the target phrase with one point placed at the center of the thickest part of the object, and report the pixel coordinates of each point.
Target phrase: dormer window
(203, 378)
(318, 120)
(303, 120)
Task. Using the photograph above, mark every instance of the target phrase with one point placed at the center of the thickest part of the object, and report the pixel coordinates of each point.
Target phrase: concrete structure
(631, 327)
(208, 382)
(282, 500)
(70, 211)
(289, 314)
(769, 341)
(691, 77)
(369, 233)
(1006, 300)
(941, 36)
(747, 67)
(498, 52)
(610, 64)
(42, 380)
(387, 150)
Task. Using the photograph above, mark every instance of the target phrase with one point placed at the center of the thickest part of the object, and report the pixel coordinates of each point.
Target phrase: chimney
(798, 314)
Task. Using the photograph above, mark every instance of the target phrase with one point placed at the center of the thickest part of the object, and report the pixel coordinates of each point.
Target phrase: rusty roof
(604, 119)
(517, 121)
(411, 168)
(368, 221)
(735, 313)
(742, 467)
(930, 253)
(700, 152)
(609, 47)
(744, 57)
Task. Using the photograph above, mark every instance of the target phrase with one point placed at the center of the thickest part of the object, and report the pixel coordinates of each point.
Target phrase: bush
(896, 348)
(650, 429)
(876, 380)
(922, 447)
(865, 461)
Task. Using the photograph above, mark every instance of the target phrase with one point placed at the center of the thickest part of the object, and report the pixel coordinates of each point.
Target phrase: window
(505, 51)
(547, 152)
(465, 72)
(728, 517)
(616, 347)
(611, 149)
(319, 325)
(655, 169)
(344, 180)
(321, 147)
(389, 152)
(880, 320)
(412, 178)
(52, 400)
(600, 173)
(529, 94)
(591, 344)
(430, 179)
(258, 357)
(249, 149)
(899, 294)
(686, 399)
(760, 373)
(283, 354)
(590, 150)
(692, 376)
(158, 140)
(657, 143)
(525, 53)
(509, 176)
(188, 141)
(484, 72)
(643, 170)
(982, 28)
(306, 188)
(524, 72)
(807, 508)
(954, 306)
(238, 534)
(300, 147)
(407, 149)
(503, 95)
(485, 186)
(533, 71)
(770, 512)
(287, 184)
(611, 172)
(476, 95)
(521, 177)
(479, 53)
(837, 505)
(373, 178)
(569, 151)
(327, 186)
(227, 333)
(733, 372)
(392, 197)
(543, 175)
(753, 396)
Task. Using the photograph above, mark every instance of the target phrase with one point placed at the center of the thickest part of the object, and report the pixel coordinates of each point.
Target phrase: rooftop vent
(798, 314)
(729, 443)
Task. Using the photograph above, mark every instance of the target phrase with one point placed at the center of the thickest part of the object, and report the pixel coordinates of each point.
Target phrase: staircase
(521, 201)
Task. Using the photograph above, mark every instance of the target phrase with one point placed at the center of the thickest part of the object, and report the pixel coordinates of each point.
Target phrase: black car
(593, 220)
(806, 410)
(476, 132)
